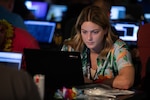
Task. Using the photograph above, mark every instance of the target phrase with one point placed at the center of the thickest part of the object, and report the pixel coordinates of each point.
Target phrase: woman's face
(92, 35)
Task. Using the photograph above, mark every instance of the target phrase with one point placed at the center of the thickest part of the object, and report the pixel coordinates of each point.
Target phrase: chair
(143, 40)
(146, 80)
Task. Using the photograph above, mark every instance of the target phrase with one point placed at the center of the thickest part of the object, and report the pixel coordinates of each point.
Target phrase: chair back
(143, 43)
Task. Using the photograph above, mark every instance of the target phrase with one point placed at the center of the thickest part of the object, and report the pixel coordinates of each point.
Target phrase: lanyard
(104, 66)
(88, 66)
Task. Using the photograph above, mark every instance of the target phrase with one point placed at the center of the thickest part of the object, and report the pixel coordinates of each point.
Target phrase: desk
(138, 95)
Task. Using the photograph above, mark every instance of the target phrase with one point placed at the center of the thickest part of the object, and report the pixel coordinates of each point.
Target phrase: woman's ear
(106, 31)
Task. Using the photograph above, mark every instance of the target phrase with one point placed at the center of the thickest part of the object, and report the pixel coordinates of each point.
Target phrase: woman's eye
(84, 32)
(95, 32)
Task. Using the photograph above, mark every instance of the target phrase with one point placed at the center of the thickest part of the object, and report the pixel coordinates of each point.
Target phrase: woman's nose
(89, 36)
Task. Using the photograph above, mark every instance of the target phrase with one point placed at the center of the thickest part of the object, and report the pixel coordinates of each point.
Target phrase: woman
(105, 58)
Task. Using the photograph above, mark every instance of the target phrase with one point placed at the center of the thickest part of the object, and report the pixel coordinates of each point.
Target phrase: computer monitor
(38, 8)
(118, 12)
(147, 17)
(127, 31)
(43, 31)
(11, 59)
(56, 12)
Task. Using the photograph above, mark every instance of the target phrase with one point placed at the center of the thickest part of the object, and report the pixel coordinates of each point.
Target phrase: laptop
(43, 31)
(11, 59)
(61, 68)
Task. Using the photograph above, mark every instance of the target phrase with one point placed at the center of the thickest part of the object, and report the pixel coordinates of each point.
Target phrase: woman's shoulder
(120, 43)
(67, 48)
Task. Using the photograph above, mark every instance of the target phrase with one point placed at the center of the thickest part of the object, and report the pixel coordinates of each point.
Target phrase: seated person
(105, 57)
(21, 9)
(14, 39)
(17, 85)
(6, 7)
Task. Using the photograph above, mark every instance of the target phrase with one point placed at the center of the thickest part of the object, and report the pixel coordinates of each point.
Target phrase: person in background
(21, 9)
(105, 58)
(15, 39)
(68, 22)
(17, 85)
(106, 5)
(6, 7)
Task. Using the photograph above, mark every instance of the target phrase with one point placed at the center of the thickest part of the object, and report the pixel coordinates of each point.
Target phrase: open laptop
(43, 31)
(61, 68)
(11, 59)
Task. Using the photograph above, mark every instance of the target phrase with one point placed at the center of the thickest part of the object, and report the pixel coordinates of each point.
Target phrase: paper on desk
(106, 92)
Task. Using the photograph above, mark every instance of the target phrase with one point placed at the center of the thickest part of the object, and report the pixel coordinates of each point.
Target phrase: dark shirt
(14, 19)
(17, 85)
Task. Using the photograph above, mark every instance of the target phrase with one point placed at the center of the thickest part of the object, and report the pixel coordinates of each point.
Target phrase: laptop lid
(61, 68)
(43, 31)
(11, 59)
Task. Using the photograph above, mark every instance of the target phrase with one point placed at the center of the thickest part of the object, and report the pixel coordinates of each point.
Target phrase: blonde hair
(98, 16)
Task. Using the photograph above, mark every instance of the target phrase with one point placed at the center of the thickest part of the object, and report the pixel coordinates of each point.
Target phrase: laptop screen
(11, 59)
(38, 9)
(43, 31)
(60, 68)
(127, 31)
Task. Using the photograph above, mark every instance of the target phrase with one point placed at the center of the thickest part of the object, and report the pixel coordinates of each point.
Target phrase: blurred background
(52, 20)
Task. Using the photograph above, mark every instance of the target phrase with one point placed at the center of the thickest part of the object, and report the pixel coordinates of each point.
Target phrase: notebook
(61, 68)
(11, 59)
(43, 31)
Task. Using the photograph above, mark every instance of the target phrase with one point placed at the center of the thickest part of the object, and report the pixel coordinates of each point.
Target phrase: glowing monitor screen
(43, 31)
(11, 59)
(38, 9)
(127, 31)
(118, 12)
(56, 12)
